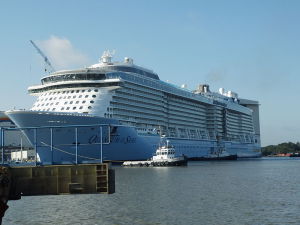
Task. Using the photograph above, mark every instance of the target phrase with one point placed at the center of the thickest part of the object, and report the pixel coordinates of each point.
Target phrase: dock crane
(47, 62)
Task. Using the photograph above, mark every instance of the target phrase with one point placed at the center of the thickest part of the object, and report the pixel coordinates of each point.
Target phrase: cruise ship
(134, 108)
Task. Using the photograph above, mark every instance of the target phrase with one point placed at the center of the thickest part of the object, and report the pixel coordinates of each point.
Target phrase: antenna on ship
(106, 56)
(46, 60)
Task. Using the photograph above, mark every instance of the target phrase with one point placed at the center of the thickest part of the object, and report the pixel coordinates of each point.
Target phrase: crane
(47, 62)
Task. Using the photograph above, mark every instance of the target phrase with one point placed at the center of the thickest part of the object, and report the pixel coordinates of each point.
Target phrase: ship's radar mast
(107, 56)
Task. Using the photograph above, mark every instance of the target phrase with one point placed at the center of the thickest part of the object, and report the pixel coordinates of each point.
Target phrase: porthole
(80, 107)
(69, 97)
(62, 108)
(74, 96)
(83, 101)
(83, 91)
(80, 96)
(94, 96)
(86, 96)
(96, 90)
(74, 107)
(66, 103)
(67, 108)
(89, 107)
(53, 109)
(89, 90)
(92, 101)
(77, 91)
(71, 102)
(77, 102)
(72, 91)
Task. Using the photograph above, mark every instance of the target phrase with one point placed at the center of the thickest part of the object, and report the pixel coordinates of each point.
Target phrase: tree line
(283, 148)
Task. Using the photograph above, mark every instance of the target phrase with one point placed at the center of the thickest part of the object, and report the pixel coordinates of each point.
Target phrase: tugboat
(164, 156)
(220, 155)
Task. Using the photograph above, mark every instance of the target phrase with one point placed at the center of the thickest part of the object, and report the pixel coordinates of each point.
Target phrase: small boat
(295, 154)
(165, 156)
(221, 154)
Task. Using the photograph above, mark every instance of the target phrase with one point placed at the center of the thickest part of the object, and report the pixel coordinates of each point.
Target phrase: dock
(20, 181)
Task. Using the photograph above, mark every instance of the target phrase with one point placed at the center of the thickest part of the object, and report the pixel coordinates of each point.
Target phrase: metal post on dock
(2, 143)
(35, 144)
(51, 144)
(101, 145)
(76, 144)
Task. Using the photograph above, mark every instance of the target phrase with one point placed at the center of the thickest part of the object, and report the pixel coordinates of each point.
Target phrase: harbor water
(256, 191)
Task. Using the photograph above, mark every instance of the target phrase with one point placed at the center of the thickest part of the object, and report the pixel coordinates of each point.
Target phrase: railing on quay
(101, 135)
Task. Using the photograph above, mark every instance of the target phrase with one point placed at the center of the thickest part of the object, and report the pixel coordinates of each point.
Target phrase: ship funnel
(203, 88)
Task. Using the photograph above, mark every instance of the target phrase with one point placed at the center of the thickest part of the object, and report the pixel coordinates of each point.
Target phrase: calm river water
(259, 191)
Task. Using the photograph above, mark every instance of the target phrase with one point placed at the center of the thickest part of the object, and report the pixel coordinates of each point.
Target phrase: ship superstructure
(130, 95)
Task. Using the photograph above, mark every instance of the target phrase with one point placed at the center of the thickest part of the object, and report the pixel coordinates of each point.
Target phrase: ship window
(86, 96)
(55, 98)
(83, 91)
(67, 92)
(58, 92)
(62, 108)
(83, 101)
(74, 107)
(42, 104)
(80, 107)
(64, 92)
(50, 98)
(60, 97)
(67, 108)
(74, 96)
(92, 101)
(77, 102)
(94, 96)
(71, 102)
(89, 90)
(80, 96)
(72, 91)
(69, 97)
(89, 107)
(96, 90)
(48, 109)
(47, 104)
(53, 109)
(51, 104)
(65, 97)
(77, 91)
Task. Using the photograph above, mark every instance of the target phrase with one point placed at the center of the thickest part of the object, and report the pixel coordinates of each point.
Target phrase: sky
(251, 47)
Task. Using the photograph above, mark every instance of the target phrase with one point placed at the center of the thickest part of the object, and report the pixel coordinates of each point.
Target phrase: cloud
(62, 54)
